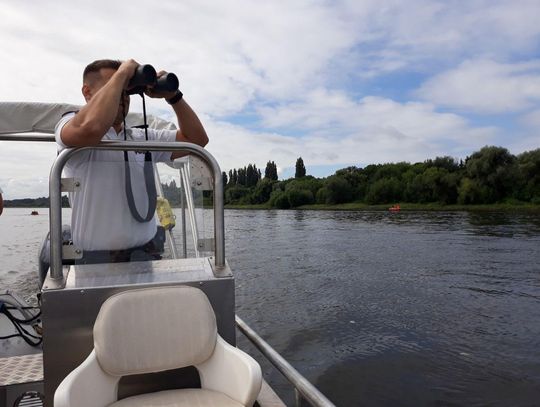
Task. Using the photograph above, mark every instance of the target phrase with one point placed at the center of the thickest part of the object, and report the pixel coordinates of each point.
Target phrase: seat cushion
(154, 329)
(179, 398)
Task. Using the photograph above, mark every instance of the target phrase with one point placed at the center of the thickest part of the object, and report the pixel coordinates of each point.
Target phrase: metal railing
(303, 388)
(55, 211)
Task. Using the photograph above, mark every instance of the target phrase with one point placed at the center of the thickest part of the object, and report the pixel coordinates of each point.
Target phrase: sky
(338, 83)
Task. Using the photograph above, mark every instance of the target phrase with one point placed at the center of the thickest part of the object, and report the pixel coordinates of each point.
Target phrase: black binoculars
(145, 75)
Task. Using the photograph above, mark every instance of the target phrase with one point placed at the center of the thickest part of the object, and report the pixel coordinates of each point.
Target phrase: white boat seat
(156, 329)
(179, 398)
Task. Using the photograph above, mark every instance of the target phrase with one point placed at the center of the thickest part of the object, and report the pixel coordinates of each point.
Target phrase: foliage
(271, 171)
(338, 190)
(489, 175)
(300, 168)
(299, 197)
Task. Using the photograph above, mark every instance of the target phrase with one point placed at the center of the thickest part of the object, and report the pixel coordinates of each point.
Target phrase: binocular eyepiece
(145, 75)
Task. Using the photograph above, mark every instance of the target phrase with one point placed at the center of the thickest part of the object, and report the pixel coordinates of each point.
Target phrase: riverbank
(358, 206)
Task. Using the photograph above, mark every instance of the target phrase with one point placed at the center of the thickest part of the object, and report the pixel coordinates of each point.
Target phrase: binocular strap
(150, 183)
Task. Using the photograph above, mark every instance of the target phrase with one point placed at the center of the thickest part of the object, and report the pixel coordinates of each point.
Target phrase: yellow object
(165, 213)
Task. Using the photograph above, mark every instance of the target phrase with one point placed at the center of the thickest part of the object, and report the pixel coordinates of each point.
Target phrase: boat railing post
(55, 187)
(183, 205)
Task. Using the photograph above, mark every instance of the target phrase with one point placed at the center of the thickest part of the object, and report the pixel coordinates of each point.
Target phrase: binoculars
(145, 75)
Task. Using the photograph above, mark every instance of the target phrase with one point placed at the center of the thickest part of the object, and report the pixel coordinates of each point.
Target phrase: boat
(394, 208)
(51, 354)
(34, 213)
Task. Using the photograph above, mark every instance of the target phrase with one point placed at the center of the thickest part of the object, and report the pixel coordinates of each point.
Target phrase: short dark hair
(100, 64)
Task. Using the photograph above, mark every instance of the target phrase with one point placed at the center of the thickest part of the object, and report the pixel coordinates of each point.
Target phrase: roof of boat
(37, 117)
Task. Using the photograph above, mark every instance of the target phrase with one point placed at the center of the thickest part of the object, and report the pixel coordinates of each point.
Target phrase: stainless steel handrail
(30, 136)
(55, 209)
(306, 389)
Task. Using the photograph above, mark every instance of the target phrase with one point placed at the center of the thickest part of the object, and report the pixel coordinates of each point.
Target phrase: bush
(384, 191)
(322, 195)
(338, 190)
(279, 200)
(262, 191)
(299, 197)
(236, 193)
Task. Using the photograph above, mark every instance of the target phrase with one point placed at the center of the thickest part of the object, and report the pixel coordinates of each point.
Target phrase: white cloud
(531, 119)
(336, 130)
(486, 86)
(280, 62)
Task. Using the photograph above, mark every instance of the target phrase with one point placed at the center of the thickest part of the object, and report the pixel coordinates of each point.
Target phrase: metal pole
(168, 232)
(183, 204)
(55, 209)
(308, 391)
(31, 136)
(191, 210)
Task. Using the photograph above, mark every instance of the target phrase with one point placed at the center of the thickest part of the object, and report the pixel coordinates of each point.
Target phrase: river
(375, 308)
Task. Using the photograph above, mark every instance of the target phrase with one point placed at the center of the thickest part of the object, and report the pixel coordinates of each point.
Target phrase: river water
(375, 308)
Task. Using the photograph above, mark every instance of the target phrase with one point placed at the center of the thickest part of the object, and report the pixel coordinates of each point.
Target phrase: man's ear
(87, 92)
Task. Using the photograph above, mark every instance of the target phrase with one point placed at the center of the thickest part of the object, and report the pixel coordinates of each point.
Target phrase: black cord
(23, 333)
(22, 321)
(148, 171)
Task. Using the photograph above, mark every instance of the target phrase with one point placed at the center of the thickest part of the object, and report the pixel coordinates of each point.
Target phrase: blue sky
(338, 83)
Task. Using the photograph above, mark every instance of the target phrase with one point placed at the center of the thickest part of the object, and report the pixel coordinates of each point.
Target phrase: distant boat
(394, 208)
(34, 213)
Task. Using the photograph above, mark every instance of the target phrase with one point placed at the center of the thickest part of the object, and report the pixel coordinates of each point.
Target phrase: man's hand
(127, 70)
(158, 95)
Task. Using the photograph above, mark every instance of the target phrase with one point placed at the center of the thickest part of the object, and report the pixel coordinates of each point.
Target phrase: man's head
(96, 75)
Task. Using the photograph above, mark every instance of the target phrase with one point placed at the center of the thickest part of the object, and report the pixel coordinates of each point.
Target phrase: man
(102, 223)
(1, 202)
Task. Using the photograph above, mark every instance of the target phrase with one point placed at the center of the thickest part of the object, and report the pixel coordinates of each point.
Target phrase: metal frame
(303, 388)
(55, 210)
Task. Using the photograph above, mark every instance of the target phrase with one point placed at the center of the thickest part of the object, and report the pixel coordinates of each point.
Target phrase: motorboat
(140, 332)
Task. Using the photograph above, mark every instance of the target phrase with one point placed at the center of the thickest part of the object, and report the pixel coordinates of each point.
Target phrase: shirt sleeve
(58, 129)
(162, 135)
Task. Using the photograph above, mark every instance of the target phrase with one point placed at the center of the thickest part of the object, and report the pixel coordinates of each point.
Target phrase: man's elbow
(81, 136)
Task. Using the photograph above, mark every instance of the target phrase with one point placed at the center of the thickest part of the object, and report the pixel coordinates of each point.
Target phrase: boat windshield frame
(55, 191)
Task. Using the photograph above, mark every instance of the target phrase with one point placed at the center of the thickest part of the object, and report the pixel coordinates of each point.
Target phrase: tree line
(490, 175)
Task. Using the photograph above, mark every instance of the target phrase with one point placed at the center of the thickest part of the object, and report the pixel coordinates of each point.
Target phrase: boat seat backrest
(141, 331)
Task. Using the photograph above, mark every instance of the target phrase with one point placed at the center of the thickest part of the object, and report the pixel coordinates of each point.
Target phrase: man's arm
(93, 120)
(191, 129)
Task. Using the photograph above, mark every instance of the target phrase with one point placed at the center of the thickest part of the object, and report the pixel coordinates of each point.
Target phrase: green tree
(384, 190)
(262, 191)
(279, 200)
(271, 171)
(494, 170)
(529, 176)
(299, 197)
(300, 168)
(338, 190)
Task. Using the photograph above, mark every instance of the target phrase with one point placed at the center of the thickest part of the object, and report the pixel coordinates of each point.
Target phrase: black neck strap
(148, 171)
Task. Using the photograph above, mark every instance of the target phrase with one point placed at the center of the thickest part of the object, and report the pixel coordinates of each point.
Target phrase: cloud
(531, 119)
(294, 68)
(339, 130)
(485, 86)
(24, 168)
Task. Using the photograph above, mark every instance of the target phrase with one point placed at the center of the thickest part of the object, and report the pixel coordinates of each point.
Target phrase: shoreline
(357, 206)
(404, 207)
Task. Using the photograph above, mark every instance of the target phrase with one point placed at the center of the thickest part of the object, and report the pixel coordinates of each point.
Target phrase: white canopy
(33, 117)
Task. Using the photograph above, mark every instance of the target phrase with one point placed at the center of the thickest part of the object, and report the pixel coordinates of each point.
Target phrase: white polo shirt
(101, 219)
